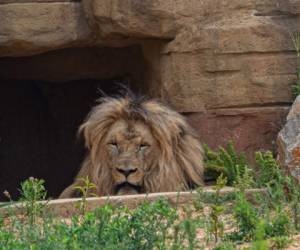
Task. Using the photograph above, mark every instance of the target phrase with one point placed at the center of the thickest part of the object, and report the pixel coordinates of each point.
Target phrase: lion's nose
(127, 172)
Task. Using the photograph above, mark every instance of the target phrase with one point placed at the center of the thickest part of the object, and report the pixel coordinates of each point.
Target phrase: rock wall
(228, 65)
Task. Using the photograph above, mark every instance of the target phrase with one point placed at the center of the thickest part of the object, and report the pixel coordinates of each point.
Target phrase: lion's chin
(127, 188)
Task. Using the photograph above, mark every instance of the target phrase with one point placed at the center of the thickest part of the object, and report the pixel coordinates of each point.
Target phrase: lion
(138, 146)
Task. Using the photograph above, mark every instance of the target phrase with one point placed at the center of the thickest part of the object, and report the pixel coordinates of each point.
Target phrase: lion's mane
(180, 159)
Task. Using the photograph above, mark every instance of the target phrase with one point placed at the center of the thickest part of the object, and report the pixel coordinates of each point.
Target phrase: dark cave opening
(39, 119)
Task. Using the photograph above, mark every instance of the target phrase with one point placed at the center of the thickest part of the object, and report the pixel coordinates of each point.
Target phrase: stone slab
(68, 207)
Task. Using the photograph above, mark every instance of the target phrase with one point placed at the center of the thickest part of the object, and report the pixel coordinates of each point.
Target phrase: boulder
(288, 141)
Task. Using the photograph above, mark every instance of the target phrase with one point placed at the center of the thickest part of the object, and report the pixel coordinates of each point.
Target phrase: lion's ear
(85, 131)
(93, 134)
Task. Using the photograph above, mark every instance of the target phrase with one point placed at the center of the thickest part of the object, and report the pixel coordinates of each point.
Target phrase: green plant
(269, 172)
(296, 86)
(246, 216)
(280, 224)
(32, 192)
(85, 189)
(185, 232)
(260, 242)
(271, 177)
(150, 223)
(245, 180)
(216, 224)
(293, 198)
(201, 198)
(148, 227)
(143, 228)
(227, 162)
(283, 192)
(224, 246)
(280, 242)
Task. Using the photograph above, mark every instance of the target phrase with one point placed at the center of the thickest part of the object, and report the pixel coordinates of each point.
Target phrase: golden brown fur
(138, 146)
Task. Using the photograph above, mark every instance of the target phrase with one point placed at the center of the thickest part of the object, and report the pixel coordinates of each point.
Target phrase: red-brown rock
(250, 129)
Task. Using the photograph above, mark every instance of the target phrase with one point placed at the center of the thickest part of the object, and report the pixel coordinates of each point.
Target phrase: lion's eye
(142, 147)
(114, 146)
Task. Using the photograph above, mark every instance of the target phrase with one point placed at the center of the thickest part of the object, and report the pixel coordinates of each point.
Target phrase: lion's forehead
(131, 131)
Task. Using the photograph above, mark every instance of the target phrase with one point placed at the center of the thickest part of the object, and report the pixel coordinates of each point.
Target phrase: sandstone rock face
(250, 129)
(289, 141)
(227, 64)
(227, 54)
(30, 28)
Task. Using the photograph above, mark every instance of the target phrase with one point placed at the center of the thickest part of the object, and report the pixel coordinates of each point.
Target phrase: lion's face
(131, 151)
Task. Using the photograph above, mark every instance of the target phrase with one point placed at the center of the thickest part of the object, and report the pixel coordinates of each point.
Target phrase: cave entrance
(44, 99)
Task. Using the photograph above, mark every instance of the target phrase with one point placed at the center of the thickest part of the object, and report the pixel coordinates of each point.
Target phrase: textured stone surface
(238, 54)
(288, 141)
(124, 19)
(200, 82)
(228, 64)
(30, 28)
(295, 109)
(69, 207)
(251, 129)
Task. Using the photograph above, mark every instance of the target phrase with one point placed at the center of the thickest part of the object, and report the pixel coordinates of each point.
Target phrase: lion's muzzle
(128, 179)
(126, 189)
(127, 172)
